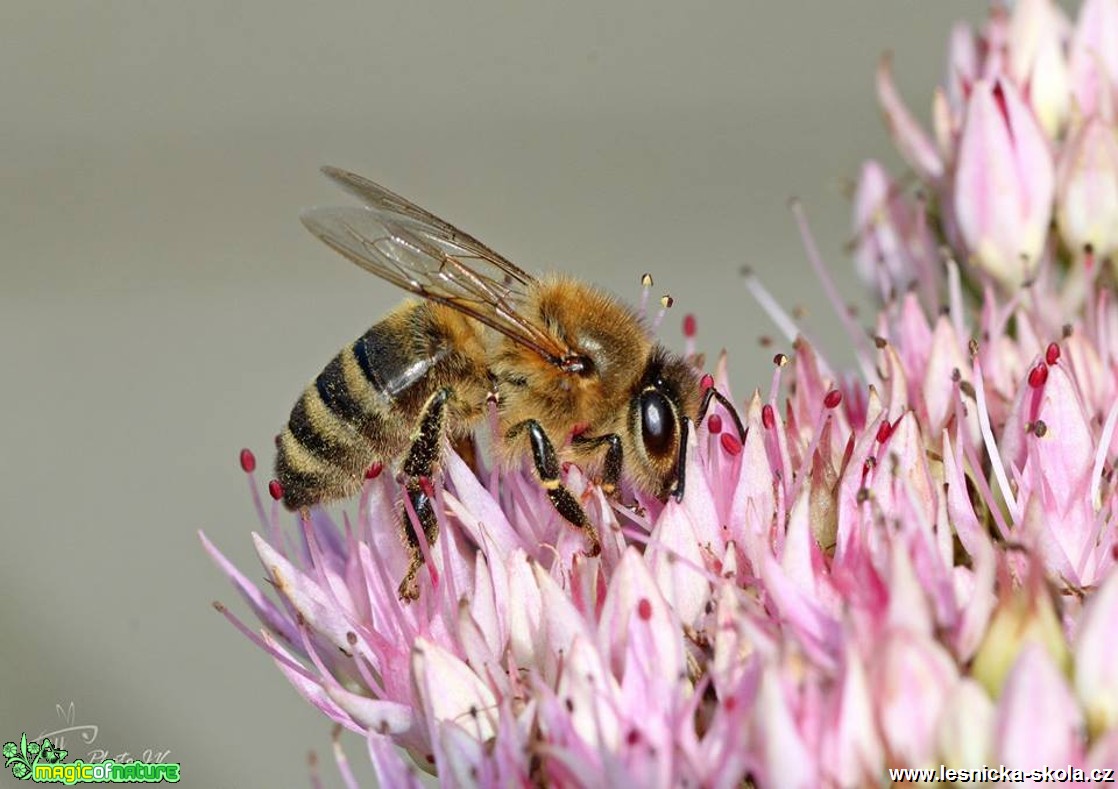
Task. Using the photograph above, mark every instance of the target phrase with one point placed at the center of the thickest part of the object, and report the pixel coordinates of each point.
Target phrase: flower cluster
(907, 567)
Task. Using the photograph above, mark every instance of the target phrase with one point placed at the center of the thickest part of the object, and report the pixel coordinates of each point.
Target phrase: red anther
(689, 326)
(373, 471)
(731, 444)
(248, 461)
(427, 487)
(706, 382)
(566, 466)
(278, 440)
(1038, 375)
(1052, 353)
(832, 399)
(644, 609)
(768, 417)
(729, 703)
(714, 423)
(275, 489)
(634, 736)
(780, 360)
(884, 431)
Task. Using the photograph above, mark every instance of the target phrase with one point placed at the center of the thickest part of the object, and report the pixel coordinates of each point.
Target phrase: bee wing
(391, 205)
(424, 255)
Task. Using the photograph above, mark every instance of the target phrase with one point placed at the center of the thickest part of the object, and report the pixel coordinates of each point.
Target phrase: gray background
(161, 306)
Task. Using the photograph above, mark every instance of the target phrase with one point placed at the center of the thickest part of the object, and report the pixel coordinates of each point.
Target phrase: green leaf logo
(21, 758)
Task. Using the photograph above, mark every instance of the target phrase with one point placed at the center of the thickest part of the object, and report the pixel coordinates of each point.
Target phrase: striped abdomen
(364, 405)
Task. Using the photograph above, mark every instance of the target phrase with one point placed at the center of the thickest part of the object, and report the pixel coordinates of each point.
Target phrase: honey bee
(575, 374)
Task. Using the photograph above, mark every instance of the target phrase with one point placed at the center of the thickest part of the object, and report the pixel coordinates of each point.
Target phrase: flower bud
(1096, 669)
(891, 243)
(1004, 183)
(1037, 63)
(1093, 58)
(1024, 616)
(1087, 189)
(1036, 691)
(966, 727)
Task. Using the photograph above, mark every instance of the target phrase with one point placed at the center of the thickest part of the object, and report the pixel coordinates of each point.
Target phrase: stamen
(689, 330)
(275, 489)
(991, 444)
(857, 336)
(769, 304)
(1052, 353)
(666, 302)
(646, 290)
(731, 444)
(1100, 456)
(248, 461)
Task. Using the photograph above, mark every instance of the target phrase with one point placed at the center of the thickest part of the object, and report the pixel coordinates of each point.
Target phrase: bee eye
(657, 424)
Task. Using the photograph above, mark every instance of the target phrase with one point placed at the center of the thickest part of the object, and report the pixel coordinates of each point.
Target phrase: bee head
(667, 393)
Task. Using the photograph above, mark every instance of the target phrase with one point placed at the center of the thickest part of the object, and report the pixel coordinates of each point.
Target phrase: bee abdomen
(326, 446)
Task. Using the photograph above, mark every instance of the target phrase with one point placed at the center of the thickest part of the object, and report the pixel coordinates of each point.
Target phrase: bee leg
(710, 395)
(681, 461)
(714, 394)
(547, 467)
(420, 464)
(611, 473)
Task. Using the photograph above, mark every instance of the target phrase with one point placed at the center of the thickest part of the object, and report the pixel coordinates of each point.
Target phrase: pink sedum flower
(1004, 184)
(1036, 40)
(906, 566)
(1087, 189)
(1093, 59)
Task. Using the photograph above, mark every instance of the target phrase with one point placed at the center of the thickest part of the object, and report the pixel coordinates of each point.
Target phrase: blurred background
(161, 306)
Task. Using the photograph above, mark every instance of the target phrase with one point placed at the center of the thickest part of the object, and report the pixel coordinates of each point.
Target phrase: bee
(575, 374)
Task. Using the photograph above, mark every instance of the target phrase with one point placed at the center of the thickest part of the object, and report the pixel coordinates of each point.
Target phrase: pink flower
(893, 241)
(1037, 691)
(1004, 182)
(1094, 58)
(1096, 644)
(1087, 189)
(1036, 40)
(904, 566)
